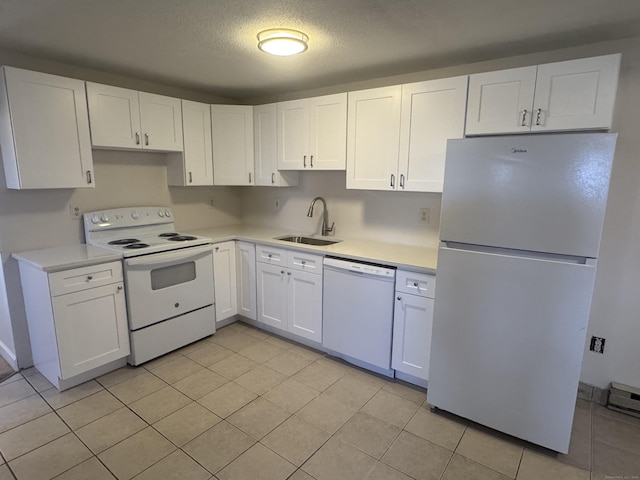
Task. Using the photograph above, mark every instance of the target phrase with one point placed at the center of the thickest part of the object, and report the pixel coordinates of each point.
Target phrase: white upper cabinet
(572, 95)
(266, 151)
(432, 113)
(373, 132)
(397, 136)
(312, 133)
(195, 165)
(127, 119)
(232, 127)
(44, 131)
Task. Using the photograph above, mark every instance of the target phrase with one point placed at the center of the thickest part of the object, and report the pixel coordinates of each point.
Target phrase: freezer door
(508, 338)
(544, 193)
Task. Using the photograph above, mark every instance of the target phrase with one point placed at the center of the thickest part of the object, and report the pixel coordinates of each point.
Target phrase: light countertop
(422, 259)
(63, 258)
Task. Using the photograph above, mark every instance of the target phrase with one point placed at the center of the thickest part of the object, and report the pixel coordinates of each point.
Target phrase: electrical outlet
(211, 202)
(276, 204)
(425, 215)
(75, 212)
(597, 344)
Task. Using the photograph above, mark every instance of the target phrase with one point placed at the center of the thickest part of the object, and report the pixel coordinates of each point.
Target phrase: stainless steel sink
(307, 240)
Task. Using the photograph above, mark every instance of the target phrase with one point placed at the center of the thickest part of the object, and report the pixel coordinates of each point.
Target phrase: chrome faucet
(326, 230)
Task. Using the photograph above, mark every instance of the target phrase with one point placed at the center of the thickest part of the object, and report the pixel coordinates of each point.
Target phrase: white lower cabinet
(289, 291)
(412, 323)
(246, 273)
(77, 321)
(224, 280)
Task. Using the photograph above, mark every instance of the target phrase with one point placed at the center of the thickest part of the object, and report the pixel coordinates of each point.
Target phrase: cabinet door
(304, 310)
(272, 295)
(293, 135)
(501, 102)
(266, 151)
(44, 130)
(246, 260)
(373, 134)
(412, 323)
(114, 113)
(328, 132)
(161, 122)
(432, 113)
(91, 328)
(232, 127)
(575, 95)
(195, 166)
(224, 280)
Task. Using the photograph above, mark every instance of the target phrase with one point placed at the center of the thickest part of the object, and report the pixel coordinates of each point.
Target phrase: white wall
(392, 216)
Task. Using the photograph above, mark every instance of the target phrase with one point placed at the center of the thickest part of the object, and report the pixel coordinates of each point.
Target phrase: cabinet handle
(524, 118)
(402, 180)
(281, 272)
(146, 139)
(273, 178)
(190, 177)
(393, 180)
(249, 177)
(288, 273)
(311, 161)
(304, 161)
(539, 117)
(89, 177)
(269, 255)
(415, 284)
(89, 278)
(217, 249)
(399, 299)
(119, 288)
(137, 138)
(303, 262)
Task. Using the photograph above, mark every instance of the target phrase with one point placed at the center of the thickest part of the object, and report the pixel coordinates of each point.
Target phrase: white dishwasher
(357, 312)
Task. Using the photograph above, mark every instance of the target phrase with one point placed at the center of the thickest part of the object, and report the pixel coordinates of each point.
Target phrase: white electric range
(168, 277)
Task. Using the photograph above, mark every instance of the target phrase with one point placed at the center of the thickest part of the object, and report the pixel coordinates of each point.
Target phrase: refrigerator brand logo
(518, 150)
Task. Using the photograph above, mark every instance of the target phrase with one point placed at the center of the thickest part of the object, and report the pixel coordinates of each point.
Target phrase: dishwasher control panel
(360, 267)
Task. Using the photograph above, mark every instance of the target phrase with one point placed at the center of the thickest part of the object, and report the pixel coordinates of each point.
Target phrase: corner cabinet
(44, 131)
(572, 95)
(412, 324)
(289, 285)
(77, 321)
(232, 127)
(397, 135)
(224, 280)
(195, 165)
(127, 119)
(312, 133)
(266, 151)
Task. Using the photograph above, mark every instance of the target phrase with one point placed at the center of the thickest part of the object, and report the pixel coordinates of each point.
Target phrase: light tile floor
(247, 405)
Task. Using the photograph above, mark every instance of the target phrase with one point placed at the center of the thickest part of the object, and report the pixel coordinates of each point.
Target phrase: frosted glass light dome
(282, 42)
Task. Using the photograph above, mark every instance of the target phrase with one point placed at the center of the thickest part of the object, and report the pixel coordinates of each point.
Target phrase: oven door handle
(168, 259)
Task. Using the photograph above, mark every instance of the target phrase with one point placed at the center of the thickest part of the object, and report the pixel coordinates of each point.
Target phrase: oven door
(165, 285)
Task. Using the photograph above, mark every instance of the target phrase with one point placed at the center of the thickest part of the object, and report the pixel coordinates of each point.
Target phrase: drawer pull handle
(176, 304)
(399, 299)
(303, 262)
(269, 255)
(415, 284)
(288, 273)
(89, 278)
(281, 272)
(217, 249)
(119, 288)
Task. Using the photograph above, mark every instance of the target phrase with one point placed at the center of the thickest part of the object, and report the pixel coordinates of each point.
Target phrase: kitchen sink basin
(307, 240)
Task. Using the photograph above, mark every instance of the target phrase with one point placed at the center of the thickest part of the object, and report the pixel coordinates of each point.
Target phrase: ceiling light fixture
(282, 41)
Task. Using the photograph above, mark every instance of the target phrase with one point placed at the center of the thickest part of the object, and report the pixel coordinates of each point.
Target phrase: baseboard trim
(9, 356)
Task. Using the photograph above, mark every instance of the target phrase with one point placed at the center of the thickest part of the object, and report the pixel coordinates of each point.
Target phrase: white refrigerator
(520, 231)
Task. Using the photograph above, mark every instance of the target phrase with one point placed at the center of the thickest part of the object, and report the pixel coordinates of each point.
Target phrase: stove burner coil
(124, 241)
(181, 238)
(135, 246)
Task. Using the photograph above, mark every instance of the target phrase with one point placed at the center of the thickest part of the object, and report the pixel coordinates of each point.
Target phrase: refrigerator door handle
(552, 257)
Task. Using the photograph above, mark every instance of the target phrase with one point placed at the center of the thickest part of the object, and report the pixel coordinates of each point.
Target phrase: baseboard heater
(625, 399)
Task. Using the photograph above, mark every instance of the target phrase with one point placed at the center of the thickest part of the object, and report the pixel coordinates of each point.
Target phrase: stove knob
(95, 219)
(104, 218)
(167, 213)
(135, 215)
(160, 213)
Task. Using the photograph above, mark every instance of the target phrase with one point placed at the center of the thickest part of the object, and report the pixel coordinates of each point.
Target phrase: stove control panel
(126, 217)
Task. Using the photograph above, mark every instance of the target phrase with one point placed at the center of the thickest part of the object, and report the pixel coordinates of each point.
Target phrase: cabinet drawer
(415, 283)
(76, 279)
(272, 255)
(305, 261)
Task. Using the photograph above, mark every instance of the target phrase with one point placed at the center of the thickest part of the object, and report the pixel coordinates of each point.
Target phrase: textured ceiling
(210, 45)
